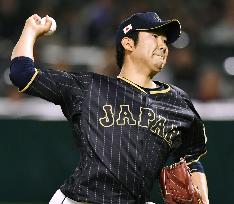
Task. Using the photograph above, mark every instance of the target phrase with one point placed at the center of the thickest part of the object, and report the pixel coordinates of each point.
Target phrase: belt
(60, 198)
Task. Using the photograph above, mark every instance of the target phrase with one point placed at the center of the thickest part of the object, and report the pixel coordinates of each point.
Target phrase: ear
(127, 43)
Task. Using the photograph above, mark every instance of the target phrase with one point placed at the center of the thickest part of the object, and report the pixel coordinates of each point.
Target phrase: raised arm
(24, 75)
(32, 30)
(59, 87)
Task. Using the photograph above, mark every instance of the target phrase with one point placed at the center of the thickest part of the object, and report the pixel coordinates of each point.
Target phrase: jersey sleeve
(50, 85)
(196, 167)
(193, 139)
(59, 87)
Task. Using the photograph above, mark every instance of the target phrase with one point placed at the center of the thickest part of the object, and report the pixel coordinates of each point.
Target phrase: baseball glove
(176, 185)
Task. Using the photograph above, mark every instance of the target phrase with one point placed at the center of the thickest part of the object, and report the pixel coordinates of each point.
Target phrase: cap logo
(127, 28)
(157, 18)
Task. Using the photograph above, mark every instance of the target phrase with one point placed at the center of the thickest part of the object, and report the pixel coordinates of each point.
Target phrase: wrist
(205, 201)
(29, 34)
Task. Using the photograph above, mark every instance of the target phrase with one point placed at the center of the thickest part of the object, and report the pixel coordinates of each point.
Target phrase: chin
(159, 64)
(159, 67)
(155, 71)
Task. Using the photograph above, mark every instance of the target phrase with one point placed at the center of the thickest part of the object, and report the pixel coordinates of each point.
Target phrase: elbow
(21, 71)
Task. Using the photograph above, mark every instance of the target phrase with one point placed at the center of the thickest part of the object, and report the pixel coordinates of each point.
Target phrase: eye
(155, 35)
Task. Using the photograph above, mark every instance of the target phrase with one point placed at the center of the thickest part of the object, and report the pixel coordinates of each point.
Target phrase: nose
(162, 44)
(163, 49)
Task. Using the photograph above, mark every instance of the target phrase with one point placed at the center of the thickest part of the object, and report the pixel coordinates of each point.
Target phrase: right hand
(34, 28)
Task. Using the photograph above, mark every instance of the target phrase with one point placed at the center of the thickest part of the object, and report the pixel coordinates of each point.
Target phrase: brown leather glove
(176, 185)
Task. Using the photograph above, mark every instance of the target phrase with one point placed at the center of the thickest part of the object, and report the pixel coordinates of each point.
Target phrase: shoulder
(80, 78)
(180, 91)
(87, 75)
(185, 96)
(88, 79)
(80, 75)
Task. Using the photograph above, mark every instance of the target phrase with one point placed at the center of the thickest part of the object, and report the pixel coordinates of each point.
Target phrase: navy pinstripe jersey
(125, 133)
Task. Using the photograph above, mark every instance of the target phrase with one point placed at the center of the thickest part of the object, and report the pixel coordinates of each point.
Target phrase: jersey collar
(166, 88)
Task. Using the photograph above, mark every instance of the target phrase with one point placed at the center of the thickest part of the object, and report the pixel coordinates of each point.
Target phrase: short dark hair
(120, 52)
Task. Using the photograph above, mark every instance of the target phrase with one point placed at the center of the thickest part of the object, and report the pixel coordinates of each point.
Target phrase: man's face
(151, 51)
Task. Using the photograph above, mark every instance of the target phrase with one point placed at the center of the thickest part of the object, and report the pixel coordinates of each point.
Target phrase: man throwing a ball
(128, 126)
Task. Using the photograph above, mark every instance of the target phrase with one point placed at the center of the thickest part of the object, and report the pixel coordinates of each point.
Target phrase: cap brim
(171, 28)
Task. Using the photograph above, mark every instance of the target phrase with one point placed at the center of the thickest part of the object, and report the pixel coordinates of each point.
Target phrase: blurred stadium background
(37, 151)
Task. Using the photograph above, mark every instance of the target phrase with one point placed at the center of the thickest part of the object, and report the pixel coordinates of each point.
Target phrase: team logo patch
(127, 28)
(157, 18)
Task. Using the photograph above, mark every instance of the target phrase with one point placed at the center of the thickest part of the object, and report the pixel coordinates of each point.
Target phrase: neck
(138, 76)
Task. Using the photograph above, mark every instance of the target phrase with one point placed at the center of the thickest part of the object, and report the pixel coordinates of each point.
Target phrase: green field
(37, 156)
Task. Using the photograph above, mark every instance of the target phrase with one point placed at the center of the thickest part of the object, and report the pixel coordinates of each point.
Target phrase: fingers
(37, 19)
(37, 26)
(33, 20)
(48, 23)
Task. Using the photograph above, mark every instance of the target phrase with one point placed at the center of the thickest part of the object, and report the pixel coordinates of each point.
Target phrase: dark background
(37, 155)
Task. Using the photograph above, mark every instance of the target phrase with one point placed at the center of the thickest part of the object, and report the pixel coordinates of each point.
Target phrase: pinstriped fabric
(125, 135)
(112, 140)
(136, 152)
(88, 135)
